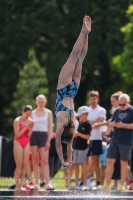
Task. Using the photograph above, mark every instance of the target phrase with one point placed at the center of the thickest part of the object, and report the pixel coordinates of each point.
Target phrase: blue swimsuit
(68, 91)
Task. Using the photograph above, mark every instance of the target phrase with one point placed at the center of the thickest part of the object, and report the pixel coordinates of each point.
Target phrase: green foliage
(51, 29)
(32, 82)
(124, 61)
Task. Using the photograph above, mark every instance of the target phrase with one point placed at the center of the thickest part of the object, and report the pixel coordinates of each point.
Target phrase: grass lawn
(58, 181)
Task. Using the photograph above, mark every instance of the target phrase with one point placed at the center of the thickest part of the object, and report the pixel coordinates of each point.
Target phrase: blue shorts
(103, 157)
(95, 148)
(124, 150)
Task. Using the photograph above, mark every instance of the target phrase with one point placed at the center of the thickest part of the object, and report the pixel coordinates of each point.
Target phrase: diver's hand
(66, 165)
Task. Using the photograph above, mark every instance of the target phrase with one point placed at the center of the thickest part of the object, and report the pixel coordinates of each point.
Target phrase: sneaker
(94, 188)
(81, 183)
(93, 183)
(121, 187)
(27, 187)
(84, 188)
(11, 187)
(35, 187)
(49, 187)
(31, 183)
(42, 183)
(113, 188)
(99, 187)
(106, 188)
(130, 186)
(23, 189)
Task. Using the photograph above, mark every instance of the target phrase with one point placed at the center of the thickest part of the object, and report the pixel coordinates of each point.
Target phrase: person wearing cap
(80, 146)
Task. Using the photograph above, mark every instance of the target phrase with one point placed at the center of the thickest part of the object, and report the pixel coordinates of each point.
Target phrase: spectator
(121, 141)
(40, 141)
(116, 173)
(96, 114)
(22, 131)
(114, 102)
(80, 146)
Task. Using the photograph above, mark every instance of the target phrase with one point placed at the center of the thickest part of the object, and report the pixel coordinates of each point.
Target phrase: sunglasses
(122, 105)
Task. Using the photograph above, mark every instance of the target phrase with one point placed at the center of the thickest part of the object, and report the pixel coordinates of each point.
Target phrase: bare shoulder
(17, 119)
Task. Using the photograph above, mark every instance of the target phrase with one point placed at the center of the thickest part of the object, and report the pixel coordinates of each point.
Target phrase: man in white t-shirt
(96, 114)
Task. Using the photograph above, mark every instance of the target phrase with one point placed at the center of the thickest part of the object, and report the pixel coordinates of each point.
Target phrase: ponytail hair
(27, 108)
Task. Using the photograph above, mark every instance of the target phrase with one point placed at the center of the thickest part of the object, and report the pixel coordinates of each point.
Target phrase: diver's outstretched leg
(67, 70)
(78, 69)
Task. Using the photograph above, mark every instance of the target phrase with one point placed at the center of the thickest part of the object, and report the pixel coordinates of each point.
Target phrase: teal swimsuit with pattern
(68, 91)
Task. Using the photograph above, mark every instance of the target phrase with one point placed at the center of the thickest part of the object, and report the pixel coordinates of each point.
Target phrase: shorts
(124, 150)
(95, 148)
(79, 156)
(38, 139)
(103, 157)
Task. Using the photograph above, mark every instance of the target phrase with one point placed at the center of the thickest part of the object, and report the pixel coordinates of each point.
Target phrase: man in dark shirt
(121, 141)
(80, 145)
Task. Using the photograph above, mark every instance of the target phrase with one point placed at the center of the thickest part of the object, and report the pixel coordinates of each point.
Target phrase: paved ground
(64, 195)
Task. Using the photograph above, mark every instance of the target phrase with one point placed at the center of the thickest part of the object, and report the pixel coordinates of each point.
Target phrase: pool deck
(64, 195)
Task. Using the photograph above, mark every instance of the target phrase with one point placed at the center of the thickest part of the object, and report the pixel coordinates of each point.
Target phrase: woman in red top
(22, 131)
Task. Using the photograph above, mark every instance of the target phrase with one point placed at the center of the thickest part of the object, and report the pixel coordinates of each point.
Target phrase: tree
(105, 41)
(51, 29)
(32, 82)
(124, 61)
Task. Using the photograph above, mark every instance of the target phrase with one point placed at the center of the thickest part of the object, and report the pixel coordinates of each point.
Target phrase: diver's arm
(69, 151)
(59, 131)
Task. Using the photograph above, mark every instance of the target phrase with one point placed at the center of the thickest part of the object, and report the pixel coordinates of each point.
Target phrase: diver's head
(68, 133)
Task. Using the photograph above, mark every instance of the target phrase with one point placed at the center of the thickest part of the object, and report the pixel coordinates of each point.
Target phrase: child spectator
(80, 146)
